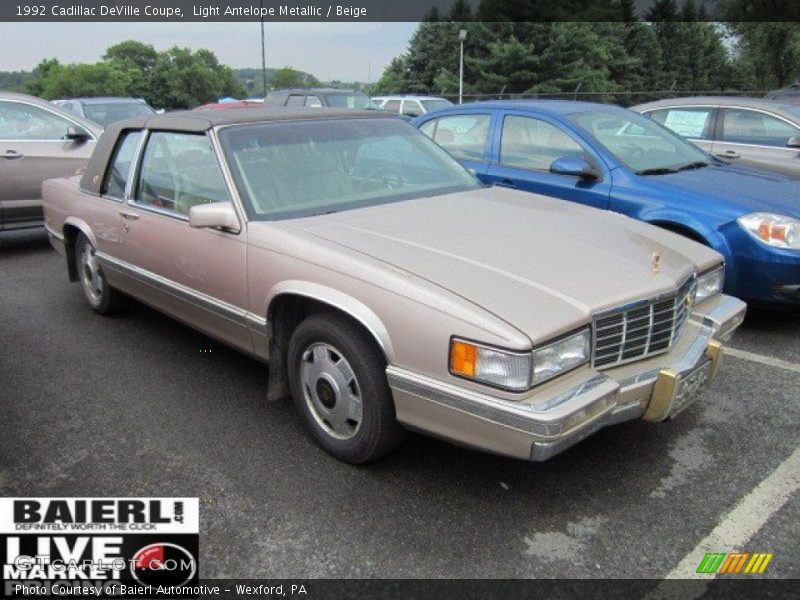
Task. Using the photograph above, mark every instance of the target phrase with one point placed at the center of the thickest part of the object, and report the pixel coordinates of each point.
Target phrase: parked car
(105, 111)
(386, 286)
(613, 158)
(412, 106)
(754, 132)
(319, 97)
(788, 95)
(38, 141)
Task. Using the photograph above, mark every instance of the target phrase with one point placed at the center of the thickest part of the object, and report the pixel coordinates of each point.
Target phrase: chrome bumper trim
(56, 240)
(523, 417)
(725, 318)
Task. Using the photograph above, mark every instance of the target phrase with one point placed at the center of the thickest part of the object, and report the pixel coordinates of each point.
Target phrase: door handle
(128, 215)
(11, 155)
(728, 154)
(506, 183)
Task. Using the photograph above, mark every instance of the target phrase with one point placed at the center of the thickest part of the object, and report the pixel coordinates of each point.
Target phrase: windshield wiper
(656, 171)
(693, 165)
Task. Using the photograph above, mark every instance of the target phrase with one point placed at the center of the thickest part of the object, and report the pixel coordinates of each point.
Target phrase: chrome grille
(641, 329)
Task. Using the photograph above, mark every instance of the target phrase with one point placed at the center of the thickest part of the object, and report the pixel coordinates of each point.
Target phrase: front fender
(664, 218)
(339, 300)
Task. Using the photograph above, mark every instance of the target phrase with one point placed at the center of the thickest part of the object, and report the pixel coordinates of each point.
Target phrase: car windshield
(357, 101)
(107, 113)
(304, 168)
(639, 142)
(435, 104)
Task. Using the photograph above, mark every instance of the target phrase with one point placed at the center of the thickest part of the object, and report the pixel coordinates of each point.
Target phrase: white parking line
(764, 360)
(745, 519)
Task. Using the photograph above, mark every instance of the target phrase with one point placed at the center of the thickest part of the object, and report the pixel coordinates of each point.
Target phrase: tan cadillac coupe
(386, 287)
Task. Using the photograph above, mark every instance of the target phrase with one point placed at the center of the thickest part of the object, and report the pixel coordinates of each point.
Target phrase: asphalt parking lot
(140, 405)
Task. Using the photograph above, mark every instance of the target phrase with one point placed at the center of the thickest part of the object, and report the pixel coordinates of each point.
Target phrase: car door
(197, 275)
(524, 148)
(466, 136)
(33, 147)
(695, 123)
(756, 138)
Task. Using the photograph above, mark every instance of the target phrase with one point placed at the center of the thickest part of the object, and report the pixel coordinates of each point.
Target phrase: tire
(338, 381)
(102, 298)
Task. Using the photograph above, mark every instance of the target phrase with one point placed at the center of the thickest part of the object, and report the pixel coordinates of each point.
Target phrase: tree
(394, 79)
(767, 55)
(510, 66)
(287, 77)
(35, 85)
(183, 79)
(132, 55)
(461, 12)
(74, 81)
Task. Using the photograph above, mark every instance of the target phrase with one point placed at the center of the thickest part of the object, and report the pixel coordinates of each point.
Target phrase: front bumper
(655, 389)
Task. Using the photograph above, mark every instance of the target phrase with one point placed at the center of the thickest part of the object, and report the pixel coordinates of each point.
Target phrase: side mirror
(77, 134)
(215, 214)
(793, 142)
(575, 166)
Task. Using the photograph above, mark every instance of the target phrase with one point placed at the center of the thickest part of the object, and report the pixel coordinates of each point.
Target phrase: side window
(313, 101)
(295, 100)
(751, 127)
(120, 167)
(690, 122)
(429, 127)
(463, 136)
(392, 105)
(178, 171)
(412, 108)
(534, 144)
(21, 121)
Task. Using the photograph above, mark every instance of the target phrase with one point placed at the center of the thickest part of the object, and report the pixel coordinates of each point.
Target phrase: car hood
(741, 189)
(542, 265)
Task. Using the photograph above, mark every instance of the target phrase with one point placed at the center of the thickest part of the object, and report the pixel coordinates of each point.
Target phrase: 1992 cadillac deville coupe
(386, 287)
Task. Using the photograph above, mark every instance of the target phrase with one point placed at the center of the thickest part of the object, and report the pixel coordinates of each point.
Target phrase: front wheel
(103, 298)
(338, 382)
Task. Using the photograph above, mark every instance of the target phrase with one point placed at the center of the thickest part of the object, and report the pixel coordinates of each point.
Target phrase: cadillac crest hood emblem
(656, 262)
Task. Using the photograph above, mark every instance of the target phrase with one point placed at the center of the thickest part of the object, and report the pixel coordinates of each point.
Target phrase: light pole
(462, 35)
(263, 53)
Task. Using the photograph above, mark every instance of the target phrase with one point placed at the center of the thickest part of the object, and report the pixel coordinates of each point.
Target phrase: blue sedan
(613, 158)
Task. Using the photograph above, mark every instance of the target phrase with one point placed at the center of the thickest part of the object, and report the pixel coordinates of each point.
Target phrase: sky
(343, 51)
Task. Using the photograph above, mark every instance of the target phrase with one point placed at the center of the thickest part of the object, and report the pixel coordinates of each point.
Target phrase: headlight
(519, 371)
(502, 368)
(775, 230)
(561, 356)
(709, 284)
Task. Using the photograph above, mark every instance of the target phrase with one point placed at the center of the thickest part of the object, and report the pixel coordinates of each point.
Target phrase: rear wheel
(338, 381)
(103, 298)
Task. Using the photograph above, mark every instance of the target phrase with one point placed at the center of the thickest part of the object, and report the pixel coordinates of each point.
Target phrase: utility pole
(263, 54)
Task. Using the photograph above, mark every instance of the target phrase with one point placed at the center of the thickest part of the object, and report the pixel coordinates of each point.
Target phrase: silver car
(105, 111)
(411, 106)
(386, 287)
(38, 141)
(751, 131)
